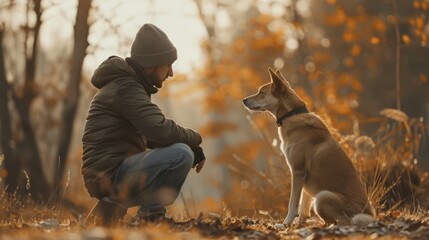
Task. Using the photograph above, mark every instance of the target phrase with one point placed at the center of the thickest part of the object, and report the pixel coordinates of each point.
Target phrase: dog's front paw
(301, 220)
(279, 226)
(289, 220)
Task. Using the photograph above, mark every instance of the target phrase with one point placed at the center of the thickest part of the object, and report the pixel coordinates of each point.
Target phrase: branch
(81, 32)
(5, 123)
(30, 59)
(208, 23)
(398, 55)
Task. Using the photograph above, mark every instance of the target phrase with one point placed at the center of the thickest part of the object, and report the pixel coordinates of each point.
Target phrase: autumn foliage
(341, 61)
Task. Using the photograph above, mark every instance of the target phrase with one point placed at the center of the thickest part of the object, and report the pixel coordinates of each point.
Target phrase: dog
(322, 175)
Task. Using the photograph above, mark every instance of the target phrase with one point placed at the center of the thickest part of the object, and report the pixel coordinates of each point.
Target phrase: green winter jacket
(123, 121)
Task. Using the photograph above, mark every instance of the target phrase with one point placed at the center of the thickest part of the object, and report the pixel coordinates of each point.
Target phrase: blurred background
(362, 65)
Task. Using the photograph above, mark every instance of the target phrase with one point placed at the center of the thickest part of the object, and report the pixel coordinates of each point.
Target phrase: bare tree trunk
(27, 151)
(208, 22)
(30, 59)
(11, 166)
(81, 32)
(398, 55)
(24, 156)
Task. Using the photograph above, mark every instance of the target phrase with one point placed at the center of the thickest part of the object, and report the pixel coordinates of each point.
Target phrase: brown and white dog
(320, 169)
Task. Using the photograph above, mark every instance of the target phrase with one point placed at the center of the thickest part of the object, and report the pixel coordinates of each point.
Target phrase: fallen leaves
(219, 226)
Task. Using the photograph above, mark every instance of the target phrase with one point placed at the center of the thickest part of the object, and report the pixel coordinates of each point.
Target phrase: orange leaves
(3, 173)
(338, 18)
(272, 40)
(423, 5)
(358, 27)
(346, 79)
(338, 96)
(372, 62)
(351, 33)
(263, 19)
(356, 50)
(314, 76)
(247, 151)
(423, 78)
(261, 37)
(215, 129)
(303, 94)
(418, 24)
(228, 83)
(239, 45)
(210, 204)
(379, 25)
(375, 40)
(262, 121)
(321, 57)
(424, 39)
(406, 39)
(349, 36)
(416, 4)
(217, 102)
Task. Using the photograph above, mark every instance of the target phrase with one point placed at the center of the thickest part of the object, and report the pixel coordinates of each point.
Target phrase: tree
(19, 142)
(81, 32)
(23, 153)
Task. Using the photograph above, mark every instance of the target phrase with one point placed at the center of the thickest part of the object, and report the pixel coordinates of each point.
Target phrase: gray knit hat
(152, 48)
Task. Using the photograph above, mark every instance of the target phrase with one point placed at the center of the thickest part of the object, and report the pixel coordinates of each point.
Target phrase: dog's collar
(295, 111)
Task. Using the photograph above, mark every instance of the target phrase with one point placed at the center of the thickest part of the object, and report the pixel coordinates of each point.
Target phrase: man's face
(159, 74)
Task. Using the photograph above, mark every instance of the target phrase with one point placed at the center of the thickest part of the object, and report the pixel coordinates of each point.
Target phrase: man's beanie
(152, 48)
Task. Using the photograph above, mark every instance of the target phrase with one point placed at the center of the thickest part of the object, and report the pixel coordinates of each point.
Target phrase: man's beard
(154, 80)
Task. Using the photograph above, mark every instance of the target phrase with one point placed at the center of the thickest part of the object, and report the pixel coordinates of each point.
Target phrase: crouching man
(132, 154)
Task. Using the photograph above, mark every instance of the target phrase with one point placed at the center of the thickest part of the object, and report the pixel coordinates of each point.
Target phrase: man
(132, 154)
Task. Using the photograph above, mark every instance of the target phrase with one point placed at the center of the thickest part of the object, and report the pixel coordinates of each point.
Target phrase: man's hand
(200, 166)
(199, 159)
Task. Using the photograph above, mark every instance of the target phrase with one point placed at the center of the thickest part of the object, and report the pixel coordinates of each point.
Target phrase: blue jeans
(152, 179)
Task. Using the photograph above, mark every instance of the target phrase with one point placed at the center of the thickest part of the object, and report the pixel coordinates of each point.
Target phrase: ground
(392, 225)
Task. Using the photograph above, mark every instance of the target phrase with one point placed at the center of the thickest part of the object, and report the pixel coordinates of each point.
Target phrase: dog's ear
(273, 75)
(279, 86)
(278, 73)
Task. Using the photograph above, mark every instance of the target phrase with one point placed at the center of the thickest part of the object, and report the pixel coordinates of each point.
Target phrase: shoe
(155, 219)
(109, 213)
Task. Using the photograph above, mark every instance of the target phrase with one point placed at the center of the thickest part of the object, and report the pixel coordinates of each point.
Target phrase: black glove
(199, 155)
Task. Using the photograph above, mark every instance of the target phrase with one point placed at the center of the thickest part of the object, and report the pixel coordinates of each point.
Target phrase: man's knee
(186, 154)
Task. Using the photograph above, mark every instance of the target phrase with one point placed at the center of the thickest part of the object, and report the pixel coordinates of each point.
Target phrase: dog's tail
(362, 219)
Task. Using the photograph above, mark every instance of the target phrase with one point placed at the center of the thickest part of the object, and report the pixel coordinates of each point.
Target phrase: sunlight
(325, 42)
(292, 44)
(279, 63)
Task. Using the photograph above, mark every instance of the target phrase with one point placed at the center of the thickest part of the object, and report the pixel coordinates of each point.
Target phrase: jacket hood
(110, 69)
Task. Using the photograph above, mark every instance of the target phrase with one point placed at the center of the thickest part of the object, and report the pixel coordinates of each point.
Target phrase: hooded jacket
(123, 121)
